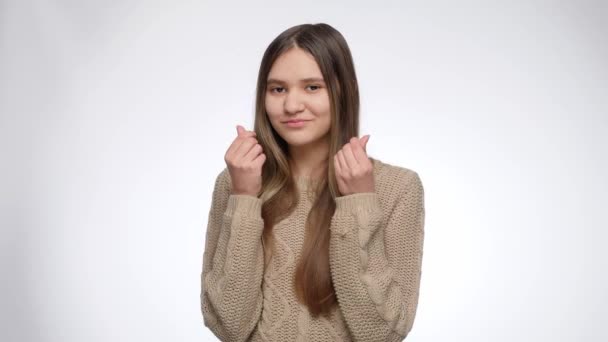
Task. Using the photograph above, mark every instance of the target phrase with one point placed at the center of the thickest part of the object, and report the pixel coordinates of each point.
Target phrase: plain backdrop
(115, 117)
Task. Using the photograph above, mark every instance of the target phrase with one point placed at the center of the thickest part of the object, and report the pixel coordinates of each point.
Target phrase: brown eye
(273, 89)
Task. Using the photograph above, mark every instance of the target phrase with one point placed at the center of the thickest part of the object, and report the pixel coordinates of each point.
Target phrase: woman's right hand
(244, 159)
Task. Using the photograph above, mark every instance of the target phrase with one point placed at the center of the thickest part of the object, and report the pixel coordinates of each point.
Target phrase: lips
(294, 121)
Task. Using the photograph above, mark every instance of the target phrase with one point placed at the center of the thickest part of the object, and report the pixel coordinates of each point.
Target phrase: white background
(115, 117)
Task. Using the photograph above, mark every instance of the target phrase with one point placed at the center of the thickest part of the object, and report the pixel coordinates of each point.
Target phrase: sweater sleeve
(231, 279)
(376, 259)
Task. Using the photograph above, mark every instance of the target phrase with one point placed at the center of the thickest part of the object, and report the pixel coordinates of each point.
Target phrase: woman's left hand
(354, 170)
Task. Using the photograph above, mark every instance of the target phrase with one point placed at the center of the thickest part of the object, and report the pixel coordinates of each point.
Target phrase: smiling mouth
(296, 123)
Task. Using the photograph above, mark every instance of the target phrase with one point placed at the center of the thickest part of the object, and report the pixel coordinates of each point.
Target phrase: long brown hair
(313, 282)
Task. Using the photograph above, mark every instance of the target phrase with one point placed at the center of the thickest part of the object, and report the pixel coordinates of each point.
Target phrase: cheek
(320, 106)
(271, 108)
(267, 102)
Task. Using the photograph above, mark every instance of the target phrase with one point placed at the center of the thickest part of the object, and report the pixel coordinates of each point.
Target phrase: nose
(293, 102)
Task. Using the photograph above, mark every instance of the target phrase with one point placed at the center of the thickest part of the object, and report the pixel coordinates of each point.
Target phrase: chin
(298, 142)
(294, 140)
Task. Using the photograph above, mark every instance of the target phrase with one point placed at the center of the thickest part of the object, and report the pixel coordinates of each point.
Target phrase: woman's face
(296, 90)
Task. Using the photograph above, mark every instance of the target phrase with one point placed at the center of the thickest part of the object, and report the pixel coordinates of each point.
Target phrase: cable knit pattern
(375, 254)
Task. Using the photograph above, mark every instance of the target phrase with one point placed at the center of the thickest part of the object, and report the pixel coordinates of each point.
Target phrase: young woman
(308, 237)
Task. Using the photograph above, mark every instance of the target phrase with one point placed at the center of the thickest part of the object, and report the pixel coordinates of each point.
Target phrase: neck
(309, 160)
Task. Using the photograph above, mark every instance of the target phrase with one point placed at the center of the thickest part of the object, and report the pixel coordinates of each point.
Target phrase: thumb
(239, 129)
(365, 139)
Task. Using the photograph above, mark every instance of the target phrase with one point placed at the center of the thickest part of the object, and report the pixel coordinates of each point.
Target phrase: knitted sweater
(376, 248)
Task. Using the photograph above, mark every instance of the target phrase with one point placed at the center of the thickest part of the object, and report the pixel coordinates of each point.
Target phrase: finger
(243, 135)
(242, 131)
(338, 171)
(337, 165)
(238, 141)
(259, 160)
(351, 160)
(245, 145)
(246, 134)
(365, 142)
(359, 153)
(343, 165)
(255, 150)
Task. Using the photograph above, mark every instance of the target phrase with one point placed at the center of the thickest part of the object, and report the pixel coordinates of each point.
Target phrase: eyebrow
(304, 80)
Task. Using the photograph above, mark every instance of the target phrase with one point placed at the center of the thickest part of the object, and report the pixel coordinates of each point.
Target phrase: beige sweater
(375, 253)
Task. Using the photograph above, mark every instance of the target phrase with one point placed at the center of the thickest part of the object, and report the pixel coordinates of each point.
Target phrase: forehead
(295, 65)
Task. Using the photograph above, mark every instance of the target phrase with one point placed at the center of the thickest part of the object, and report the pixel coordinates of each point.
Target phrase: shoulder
(393, 181)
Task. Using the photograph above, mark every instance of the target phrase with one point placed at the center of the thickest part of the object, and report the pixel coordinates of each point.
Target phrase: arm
(231, 280)
(376, 262)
